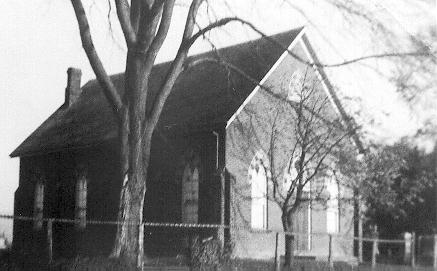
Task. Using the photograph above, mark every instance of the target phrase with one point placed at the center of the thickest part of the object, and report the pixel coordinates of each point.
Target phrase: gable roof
(204, 95)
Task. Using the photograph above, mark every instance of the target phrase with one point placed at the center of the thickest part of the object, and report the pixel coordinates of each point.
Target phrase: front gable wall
(267, 120)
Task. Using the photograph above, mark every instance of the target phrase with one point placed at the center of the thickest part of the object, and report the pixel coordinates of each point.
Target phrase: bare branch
(135, 14)
(191, 20)
(123, 13)
(317, 64)
(328, 151)
(176, 66)
(150, 18)
(162, 31)
(211, 26)
(377, 56)
(87, 43)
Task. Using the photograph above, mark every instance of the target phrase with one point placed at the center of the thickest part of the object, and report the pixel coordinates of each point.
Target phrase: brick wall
(250, 132)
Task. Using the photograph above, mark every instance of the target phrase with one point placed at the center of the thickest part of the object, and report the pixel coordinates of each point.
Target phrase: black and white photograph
(224, 135)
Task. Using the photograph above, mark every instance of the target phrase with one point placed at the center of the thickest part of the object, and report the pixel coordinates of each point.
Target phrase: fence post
(330, 251)
(374, 251)
(50, 239)
(407, 249)
(413, 249)
(435, 251)
(140, 260)
(374, 246)
(360, 237)
(277, 261)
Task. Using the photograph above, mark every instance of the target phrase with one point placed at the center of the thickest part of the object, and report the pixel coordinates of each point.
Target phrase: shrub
(209, 254)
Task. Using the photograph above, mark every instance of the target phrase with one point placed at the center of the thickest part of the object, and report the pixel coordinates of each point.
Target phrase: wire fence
(167, 242)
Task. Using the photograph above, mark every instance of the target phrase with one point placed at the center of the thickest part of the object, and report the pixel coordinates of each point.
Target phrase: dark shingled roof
(206, 94)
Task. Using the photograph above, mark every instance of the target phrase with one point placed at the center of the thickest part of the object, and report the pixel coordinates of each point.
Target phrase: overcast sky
(39, 41)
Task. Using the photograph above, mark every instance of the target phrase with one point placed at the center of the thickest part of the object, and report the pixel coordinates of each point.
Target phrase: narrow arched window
(81, 199)
(38, 205)
(258, 175)
(332, 211)
(190, 188)
(295, 85)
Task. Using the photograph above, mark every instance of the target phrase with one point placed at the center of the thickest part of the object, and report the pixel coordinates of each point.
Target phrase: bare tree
(299, 133)
(145, 26)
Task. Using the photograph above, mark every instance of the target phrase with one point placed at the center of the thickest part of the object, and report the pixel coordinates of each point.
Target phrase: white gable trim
(329, 89)
(321, 78)
(264, 79)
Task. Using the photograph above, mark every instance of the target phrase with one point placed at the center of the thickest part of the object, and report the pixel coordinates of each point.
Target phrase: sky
(40, 40)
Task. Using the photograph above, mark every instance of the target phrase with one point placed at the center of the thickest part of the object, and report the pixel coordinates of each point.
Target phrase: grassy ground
(10, 262)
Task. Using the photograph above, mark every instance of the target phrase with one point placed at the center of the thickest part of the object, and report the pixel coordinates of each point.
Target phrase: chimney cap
(73, 70)
(73, 90)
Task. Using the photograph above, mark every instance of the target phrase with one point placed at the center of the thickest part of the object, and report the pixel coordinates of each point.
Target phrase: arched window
(81, 196)
(258, 178)
(291, 171)
(38, 205)
(295, 85)
(190, 188)
(332, 212)
(81, 202)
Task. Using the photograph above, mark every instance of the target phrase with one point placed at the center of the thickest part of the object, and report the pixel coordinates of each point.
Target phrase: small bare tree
(299, 133)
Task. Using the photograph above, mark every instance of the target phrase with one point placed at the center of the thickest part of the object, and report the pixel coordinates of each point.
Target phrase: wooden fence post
(330, 252)
(50, 239)
(407, 248)
(375, 246)
(140, 260)
(360, 237)
(413, 249)
(277, 261)
(374, 251)
(435, 251)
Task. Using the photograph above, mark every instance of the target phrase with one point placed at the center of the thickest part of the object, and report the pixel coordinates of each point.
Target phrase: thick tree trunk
(287, 225)
(135, 143)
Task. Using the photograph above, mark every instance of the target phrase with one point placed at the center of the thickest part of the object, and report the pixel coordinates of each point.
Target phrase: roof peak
(292, 33)
(201, 96)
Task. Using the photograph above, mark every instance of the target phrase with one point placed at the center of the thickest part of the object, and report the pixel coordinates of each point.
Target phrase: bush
(209, 254)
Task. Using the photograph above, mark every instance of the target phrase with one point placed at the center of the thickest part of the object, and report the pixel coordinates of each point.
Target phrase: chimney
(73, 90)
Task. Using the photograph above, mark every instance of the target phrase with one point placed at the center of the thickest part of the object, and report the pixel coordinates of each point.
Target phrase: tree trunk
(135, 143)
(289, 239)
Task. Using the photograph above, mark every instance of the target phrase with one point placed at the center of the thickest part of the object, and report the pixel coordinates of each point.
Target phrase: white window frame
(259, 191)
(295, 84)
(332, 210)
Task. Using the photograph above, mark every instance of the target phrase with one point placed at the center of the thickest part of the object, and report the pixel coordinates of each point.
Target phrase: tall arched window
(81, 188)
(38, 205)
(295, 85)
(190, 188)
(258, 178)
(81, 202)
(332, 212)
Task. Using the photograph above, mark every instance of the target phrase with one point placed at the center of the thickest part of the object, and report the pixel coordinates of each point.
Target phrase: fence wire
(171, 239)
